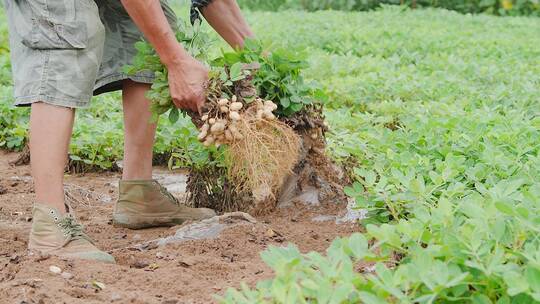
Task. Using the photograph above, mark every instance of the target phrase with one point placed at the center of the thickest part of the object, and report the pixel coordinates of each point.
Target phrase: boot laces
(166, 192)
(72, 229)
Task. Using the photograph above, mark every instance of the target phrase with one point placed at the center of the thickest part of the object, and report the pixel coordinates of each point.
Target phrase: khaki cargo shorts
(65, 51)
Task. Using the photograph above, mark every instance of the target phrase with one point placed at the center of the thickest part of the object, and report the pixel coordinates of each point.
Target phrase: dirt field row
(187, 272)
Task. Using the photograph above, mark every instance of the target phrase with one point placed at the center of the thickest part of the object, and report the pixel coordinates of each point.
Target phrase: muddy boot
(61, 235)
(145, 203)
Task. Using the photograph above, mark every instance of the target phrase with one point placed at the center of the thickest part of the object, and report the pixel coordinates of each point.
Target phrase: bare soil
(188, 272)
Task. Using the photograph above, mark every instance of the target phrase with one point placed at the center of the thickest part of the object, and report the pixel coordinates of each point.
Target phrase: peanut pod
(235, 106)
(269, 115)
(223, 102)
(202, 135)
(234, 116)
(259, 115)
(218, 127)
(210, 140)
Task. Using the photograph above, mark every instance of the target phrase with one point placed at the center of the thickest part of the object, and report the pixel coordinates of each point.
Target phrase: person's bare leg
(139, 132)
(50, 133)
(142, 202)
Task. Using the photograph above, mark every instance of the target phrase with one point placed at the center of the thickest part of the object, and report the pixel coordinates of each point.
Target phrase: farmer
(65, 51)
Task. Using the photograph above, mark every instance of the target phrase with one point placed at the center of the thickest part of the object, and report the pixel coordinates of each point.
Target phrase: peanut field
(434, 116)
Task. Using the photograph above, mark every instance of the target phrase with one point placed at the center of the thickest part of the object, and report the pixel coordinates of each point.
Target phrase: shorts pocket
(47, 34)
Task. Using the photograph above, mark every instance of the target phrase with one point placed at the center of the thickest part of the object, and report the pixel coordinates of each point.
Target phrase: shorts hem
(25, 101)
(109, 83)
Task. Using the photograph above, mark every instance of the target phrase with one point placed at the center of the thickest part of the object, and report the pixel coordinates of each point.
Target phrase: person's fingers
(179, 103)
(186, 103)
(200, 104)
(198, 100)
(176, 102)
(191, 105)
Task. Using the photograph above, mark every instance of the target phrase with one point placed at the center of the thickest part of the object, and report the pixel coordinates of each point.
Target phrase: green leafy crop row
(437, 115)
(496, 7)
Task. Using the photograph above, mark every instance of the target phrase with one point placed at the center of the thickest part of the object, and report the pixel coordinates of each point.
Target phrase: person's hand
(187, 80)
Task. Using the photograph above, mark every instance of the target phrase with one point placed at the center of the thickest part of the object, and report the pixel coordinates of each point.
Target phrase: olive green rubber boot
(145, 203)
(57, 234)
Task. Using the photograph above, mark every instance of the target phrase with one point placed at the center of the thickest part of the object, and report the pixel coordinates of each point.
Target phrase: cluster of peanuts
(265, 109)
(222, 127)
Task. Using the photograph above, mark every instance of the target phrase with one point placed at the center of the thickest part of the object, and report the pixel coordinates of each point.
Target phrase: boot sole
(101, 257)
(143, 223)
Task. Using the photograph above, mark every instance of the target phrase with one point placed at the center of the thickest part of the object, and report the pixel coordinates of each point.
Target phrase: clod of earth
(66, 275)
(205, 229)
(139, 264)
(33, 283)
(115, 297)
(353, 214)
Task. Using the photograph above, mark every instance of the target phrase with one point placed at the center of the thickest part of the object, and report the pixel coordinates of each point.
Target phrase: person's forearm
(150, 19)
(226, 18)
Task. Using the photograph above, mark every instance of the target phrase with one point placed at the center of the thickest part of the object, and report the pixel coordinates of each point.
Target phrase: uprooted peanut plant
(250, 95)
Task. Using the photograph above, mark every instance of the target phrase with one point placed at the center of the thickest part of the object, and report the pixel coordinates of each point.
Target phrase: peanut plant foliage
(437, 114)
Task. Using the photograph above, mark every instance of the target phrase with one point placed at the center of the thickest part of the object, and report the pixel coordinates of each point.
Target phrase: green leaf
(74, 157)
(516, 283)
(480, 299)
(532, 274)
(358, 245)
(504, 207)
(503, 300)
(174, 115)
(235, 71)
(356, 190)
(370, 298)
(285, 102)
